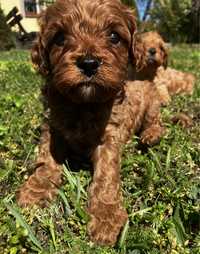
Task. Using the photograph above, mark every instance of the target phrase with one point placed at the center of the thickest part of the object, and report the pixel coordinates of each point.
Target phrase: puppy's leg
(105, 199)
(179, 82)
(183, 120)
(164, 95)
(152, 126)
(42, 185)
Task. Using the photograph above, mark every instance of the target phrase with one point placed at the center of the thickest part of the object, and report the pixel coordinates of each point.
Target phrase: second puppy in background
(154, 68)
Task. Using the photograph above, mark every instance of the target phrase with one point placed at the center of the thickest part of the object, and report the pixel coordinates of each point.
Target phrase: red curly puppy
(167, 80)
(83, 50)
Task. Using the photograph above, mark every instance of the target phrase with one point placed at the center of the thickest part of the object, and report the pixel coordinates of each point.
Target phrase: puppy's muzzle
(88, 65)
(151, 55)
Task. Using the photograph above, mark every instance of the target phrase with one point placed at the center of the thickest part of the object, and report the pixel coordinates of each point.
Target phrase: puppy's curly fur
(83, 50)
(171, 82)
(168, 81)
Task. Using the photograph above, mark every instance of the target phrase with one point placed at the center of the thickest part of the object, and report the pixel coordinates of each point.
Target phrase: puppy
(154, 68)
(82, 51)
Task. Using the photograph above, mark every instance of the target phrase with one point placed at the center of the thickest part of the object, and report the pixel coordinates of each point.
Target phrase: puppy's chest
(79, 124)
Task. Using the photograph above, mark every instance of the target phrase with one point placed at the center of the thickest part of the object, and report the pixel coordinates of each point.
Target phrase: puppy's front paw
(152, 135)
(183, 120)
(38, 189)
(104, 228)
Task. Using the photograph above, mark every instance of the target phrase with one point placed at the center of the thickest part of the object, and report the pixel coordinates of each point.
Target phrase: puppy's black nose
(88, 65)
(152, 51)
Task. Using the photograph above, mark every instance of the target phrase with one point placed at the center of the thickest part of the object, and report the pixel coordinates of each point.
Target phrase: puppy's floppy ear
(166, 54)
(38, 58)
(38, 54)
(137, 52)
(165, 50)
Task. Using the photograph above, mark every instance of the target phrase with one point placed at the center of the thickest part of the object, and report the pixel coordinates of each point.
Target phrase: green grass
(161, 187)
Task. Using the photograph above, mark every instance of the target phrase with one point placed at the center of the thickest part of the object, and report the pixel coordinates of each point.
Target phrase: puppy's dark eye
(59, 39)
(115, 38)
(162, 48)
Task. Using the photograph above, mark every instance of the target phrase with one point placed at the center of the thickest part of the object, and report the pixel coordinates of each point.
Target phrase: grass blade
(168, 159)
(72, 180)
(78, 190)
(67, 207)
(52, 232)
(156, 160)
(141, 212)
(23, 223)
(124, 234)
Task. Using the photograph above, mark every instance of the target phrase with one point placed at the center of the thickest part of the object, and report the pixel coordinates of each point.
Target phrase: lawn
(161, 186)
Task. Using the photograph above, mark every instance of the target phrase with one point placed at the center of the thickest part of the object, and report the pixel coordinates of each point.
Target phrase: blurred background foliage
(6, 36)
(177, 21)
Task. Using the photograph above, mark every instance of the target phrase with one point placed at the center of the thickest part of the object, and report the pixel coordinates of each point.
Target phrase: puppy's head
(155, 50)
(83, 47)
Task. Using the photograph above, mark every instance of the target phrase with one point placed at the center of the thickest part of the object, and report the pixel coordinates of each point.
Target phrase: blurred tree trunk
(195, 17)
(148, 6)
